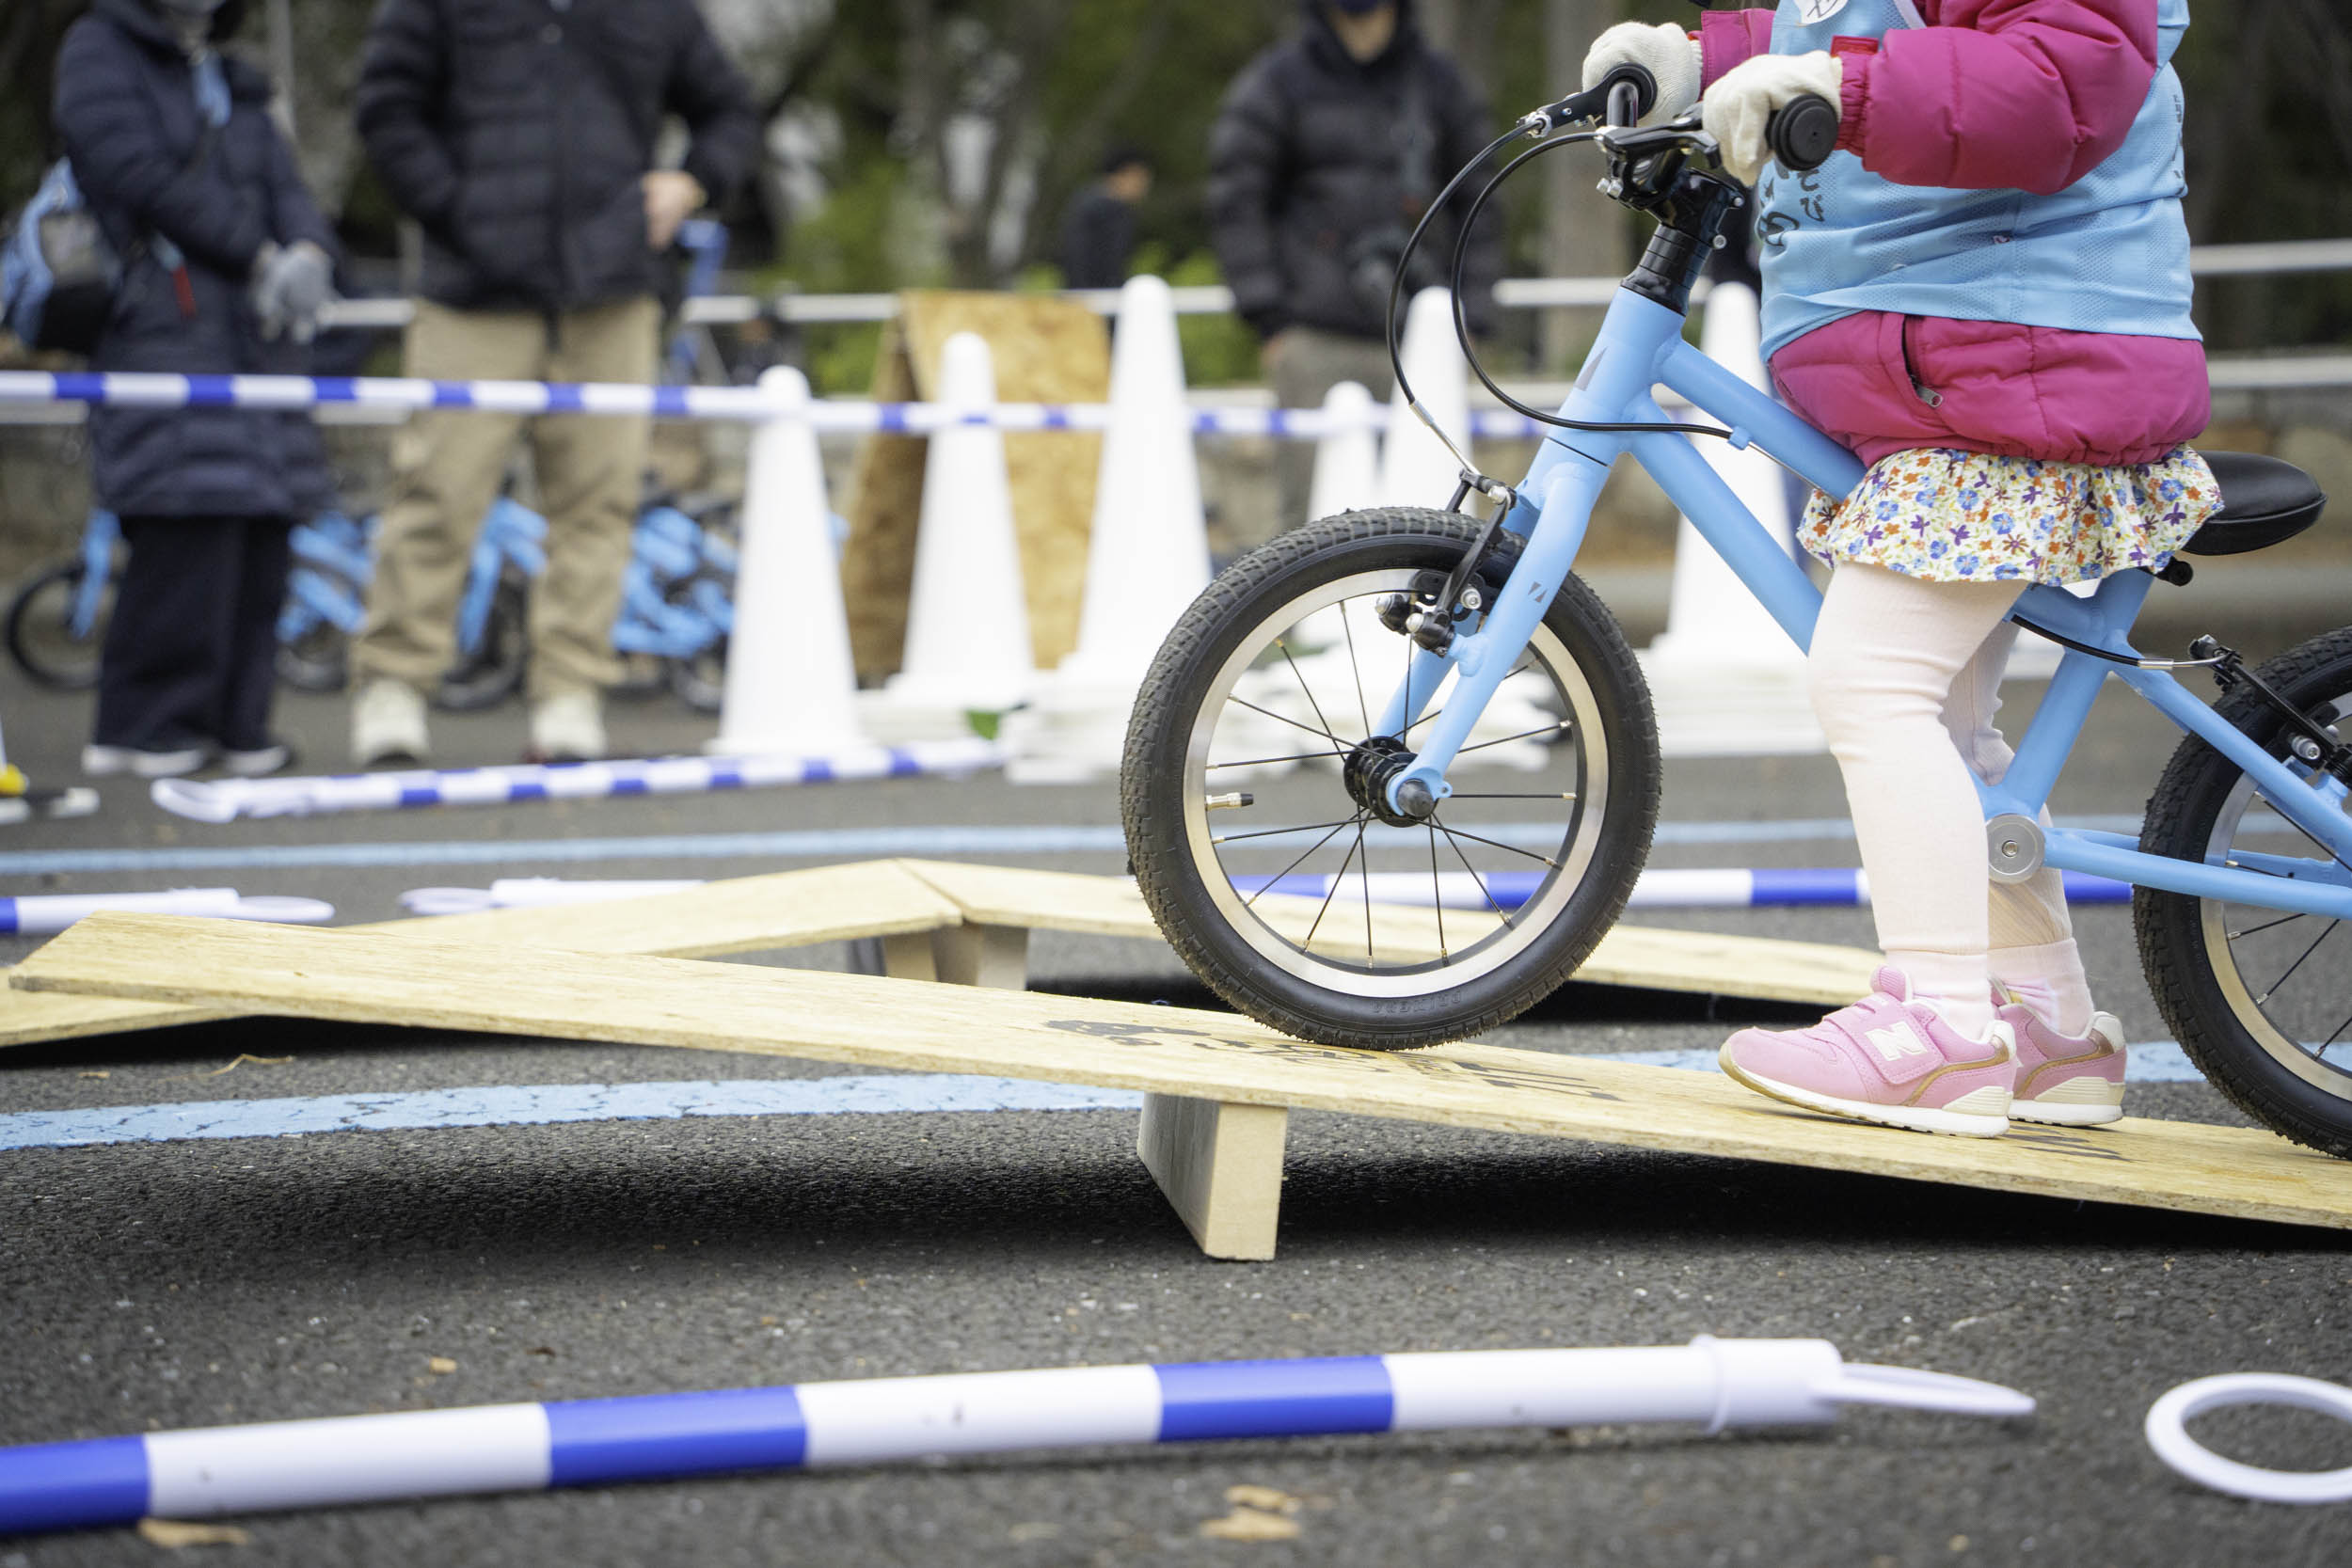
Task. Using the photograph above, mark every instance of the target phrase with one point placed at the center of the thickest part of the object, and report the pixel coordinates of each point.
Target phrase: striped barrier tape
(137, 389)
(1763, 887)
(511, 1448)
(227, 799)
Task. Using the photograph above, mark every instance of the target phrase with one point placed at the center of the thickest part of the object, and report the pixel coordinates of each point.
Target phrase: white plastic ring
(2167, 1436)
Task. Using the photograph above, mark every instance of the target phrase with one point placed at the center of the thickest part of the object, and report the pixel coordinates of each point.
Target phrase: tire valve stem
(1234, 801)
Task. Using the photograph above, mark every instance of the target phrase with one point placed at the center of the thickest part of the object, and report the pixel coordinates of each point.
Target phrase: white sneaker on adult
(567, 726)
(387, 725)
(104, 762)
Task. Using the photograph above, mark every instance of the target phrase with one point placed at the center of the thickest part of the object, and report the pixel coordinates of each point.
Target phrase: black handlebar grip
(1804, 133)
(1645, 87)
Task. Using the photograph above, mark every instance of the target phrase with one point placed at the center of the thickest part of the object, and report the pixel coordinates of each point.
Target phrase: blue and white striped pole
(508, 1448)
(226, 800)
(748, 405)
(39, 914)
(1763, 887)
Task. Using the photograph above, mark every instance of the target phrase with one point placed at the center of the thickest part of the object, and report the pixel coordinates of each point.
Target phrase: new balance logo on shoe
(1897, 1040)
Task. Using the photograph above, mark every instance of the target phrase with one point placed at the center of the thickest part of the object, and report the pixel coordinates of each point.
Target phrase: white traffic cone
(1148, 552)
(1347, 458)
(1725, 679)
(1146, 555)
(1346, 479)
(790, 685)
(1416, 469)
(967, 643)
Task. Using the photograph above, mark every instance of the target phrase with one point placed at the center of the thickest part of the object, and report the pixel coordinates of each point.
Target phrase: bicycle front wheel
(2260, 999)
(1250, 793)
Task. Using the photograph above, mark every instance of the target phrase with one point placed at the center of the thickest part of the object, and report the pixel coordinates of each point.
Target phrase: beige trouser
(447, 467)
(1307, 365)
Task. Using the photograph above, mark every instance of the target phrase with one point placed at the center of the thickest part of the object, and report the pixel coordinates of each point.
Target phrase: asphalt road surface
(169, 1284)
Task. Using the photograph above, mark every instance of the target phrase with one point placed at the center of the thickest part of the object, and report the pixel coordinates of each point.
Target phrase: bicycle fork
(1569, 483)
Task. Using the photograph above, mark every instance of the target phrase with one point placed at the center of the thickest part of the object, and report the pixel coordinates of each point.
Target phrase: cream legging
(1905, 677)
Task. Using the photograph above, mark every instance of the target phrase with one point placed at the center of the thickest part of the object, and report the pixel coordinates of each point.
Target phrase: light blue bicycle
(1329, 704)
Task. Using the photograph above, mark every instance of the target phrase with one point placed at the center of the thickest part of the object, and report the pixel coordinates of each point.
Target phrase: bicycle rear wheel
(2260, 999)
(41, 633)
(1249, 784)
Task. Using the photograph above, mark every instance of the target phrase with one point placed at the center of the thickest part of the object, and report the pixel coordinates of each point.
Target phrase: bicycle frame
(1640, 346)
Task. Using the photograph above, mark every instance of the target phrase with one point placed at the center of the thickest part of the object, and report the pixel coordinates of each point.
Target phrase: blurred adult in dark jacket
(519, 135)
(226, 263)
(1098, 232)
(1328, 148)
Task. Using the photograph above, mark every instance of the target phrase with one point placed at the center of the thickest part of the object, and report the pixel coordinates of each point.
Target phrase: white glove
(1665, 50)
(291, 284)
(1740, 104)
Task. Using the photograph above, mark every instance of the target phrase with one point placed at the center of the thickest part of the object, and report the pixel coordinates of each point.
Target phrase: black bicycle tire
(18, 628)
(2169, 925)
(1151, 784)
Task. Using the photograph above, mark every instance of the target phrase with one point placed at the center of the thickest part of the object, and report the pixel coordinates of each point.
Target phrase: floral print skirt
(1966, 516)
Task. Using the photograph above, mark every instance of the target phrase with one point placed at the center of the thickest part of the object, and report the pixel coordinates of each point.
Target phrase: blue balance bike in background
(1240, 770)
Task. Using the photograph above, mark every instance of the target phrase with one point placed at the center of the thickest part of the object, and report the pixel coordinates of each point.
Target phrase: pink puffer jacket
(1992, 93)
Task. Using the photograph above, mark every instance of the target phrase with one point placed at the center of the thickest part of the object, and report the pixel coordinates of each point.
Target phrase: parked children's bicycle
(1329, 704)
(676, 604)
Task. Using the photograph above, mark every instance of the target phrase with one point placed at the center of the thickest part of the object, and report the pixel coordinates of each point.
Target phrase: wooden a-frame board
(1216, 1087)
(945, 921)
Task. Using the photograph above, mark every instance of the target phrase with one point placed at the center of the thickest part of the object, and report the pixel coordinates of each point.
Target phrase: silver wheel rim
(1476, 941)
(2274, 969)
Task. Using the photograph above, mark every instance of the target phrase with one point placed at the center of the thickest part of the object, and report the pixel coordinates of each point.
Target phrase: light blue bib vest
(2108, 254)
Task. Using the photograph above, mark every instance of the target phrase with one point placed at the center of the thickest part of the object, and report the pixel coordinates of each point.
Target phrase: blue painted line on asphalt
(2158, 1062)
(534, 1104)
(823, 843)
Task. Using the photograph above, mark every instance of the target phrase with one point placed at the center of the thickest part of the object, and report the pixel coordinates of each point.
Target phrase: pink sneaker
(2071, 1081)
(1886, 1060)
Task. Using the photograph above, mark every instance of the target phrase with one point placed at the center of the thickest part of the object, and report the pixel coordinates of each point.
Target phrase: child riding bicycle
(1987, 301)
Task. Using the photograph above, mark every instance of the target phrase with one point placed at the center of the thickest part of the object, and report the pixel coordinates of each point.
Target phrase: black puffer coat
(126, 111)
(515, 132)
(1319, 166)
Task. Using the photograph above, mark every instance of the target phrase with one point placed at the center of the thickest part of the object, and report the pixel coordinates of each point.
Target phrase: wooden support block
(378, 978)
(996, 957)
(1220, 1165)
(744, 914)
(910, 957)
(1708, 962)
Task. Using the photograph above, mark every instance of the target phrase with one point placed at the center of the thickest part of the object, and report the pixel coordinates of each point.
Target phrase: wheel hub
(1368, 771)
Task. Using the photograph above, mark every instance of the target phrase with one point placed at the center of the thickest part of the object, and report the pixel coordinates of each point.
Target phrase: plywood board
(375, 978)
(745, 915)
(1765, 968)
(1046, 350)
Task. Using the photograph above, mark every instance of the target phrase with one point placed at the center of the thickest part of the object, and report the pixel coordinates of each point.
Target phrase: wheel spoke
(1365, 856)
(1267, 762)
(2298, 963)
(1354, 666)
(1493, 844)
(1485, 892)
(1436, 898)
(1416, 724)
(1243, 701)
(1325, 909)
(1523, 735)
(1356, 821)
(1308, 691)
(2265, 926)
(2334, 1035)
(1493, 795)
(1278, 833)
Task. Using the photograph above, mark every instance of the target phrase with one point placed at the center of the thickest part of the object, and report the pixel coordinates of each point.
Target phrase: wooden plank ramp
(744, 914)
(1223, 1171)
(947, 921)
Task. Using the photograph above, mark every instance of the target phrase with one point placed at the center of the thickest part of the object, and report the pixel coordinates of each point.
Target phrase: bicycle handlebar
(1803, 133)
